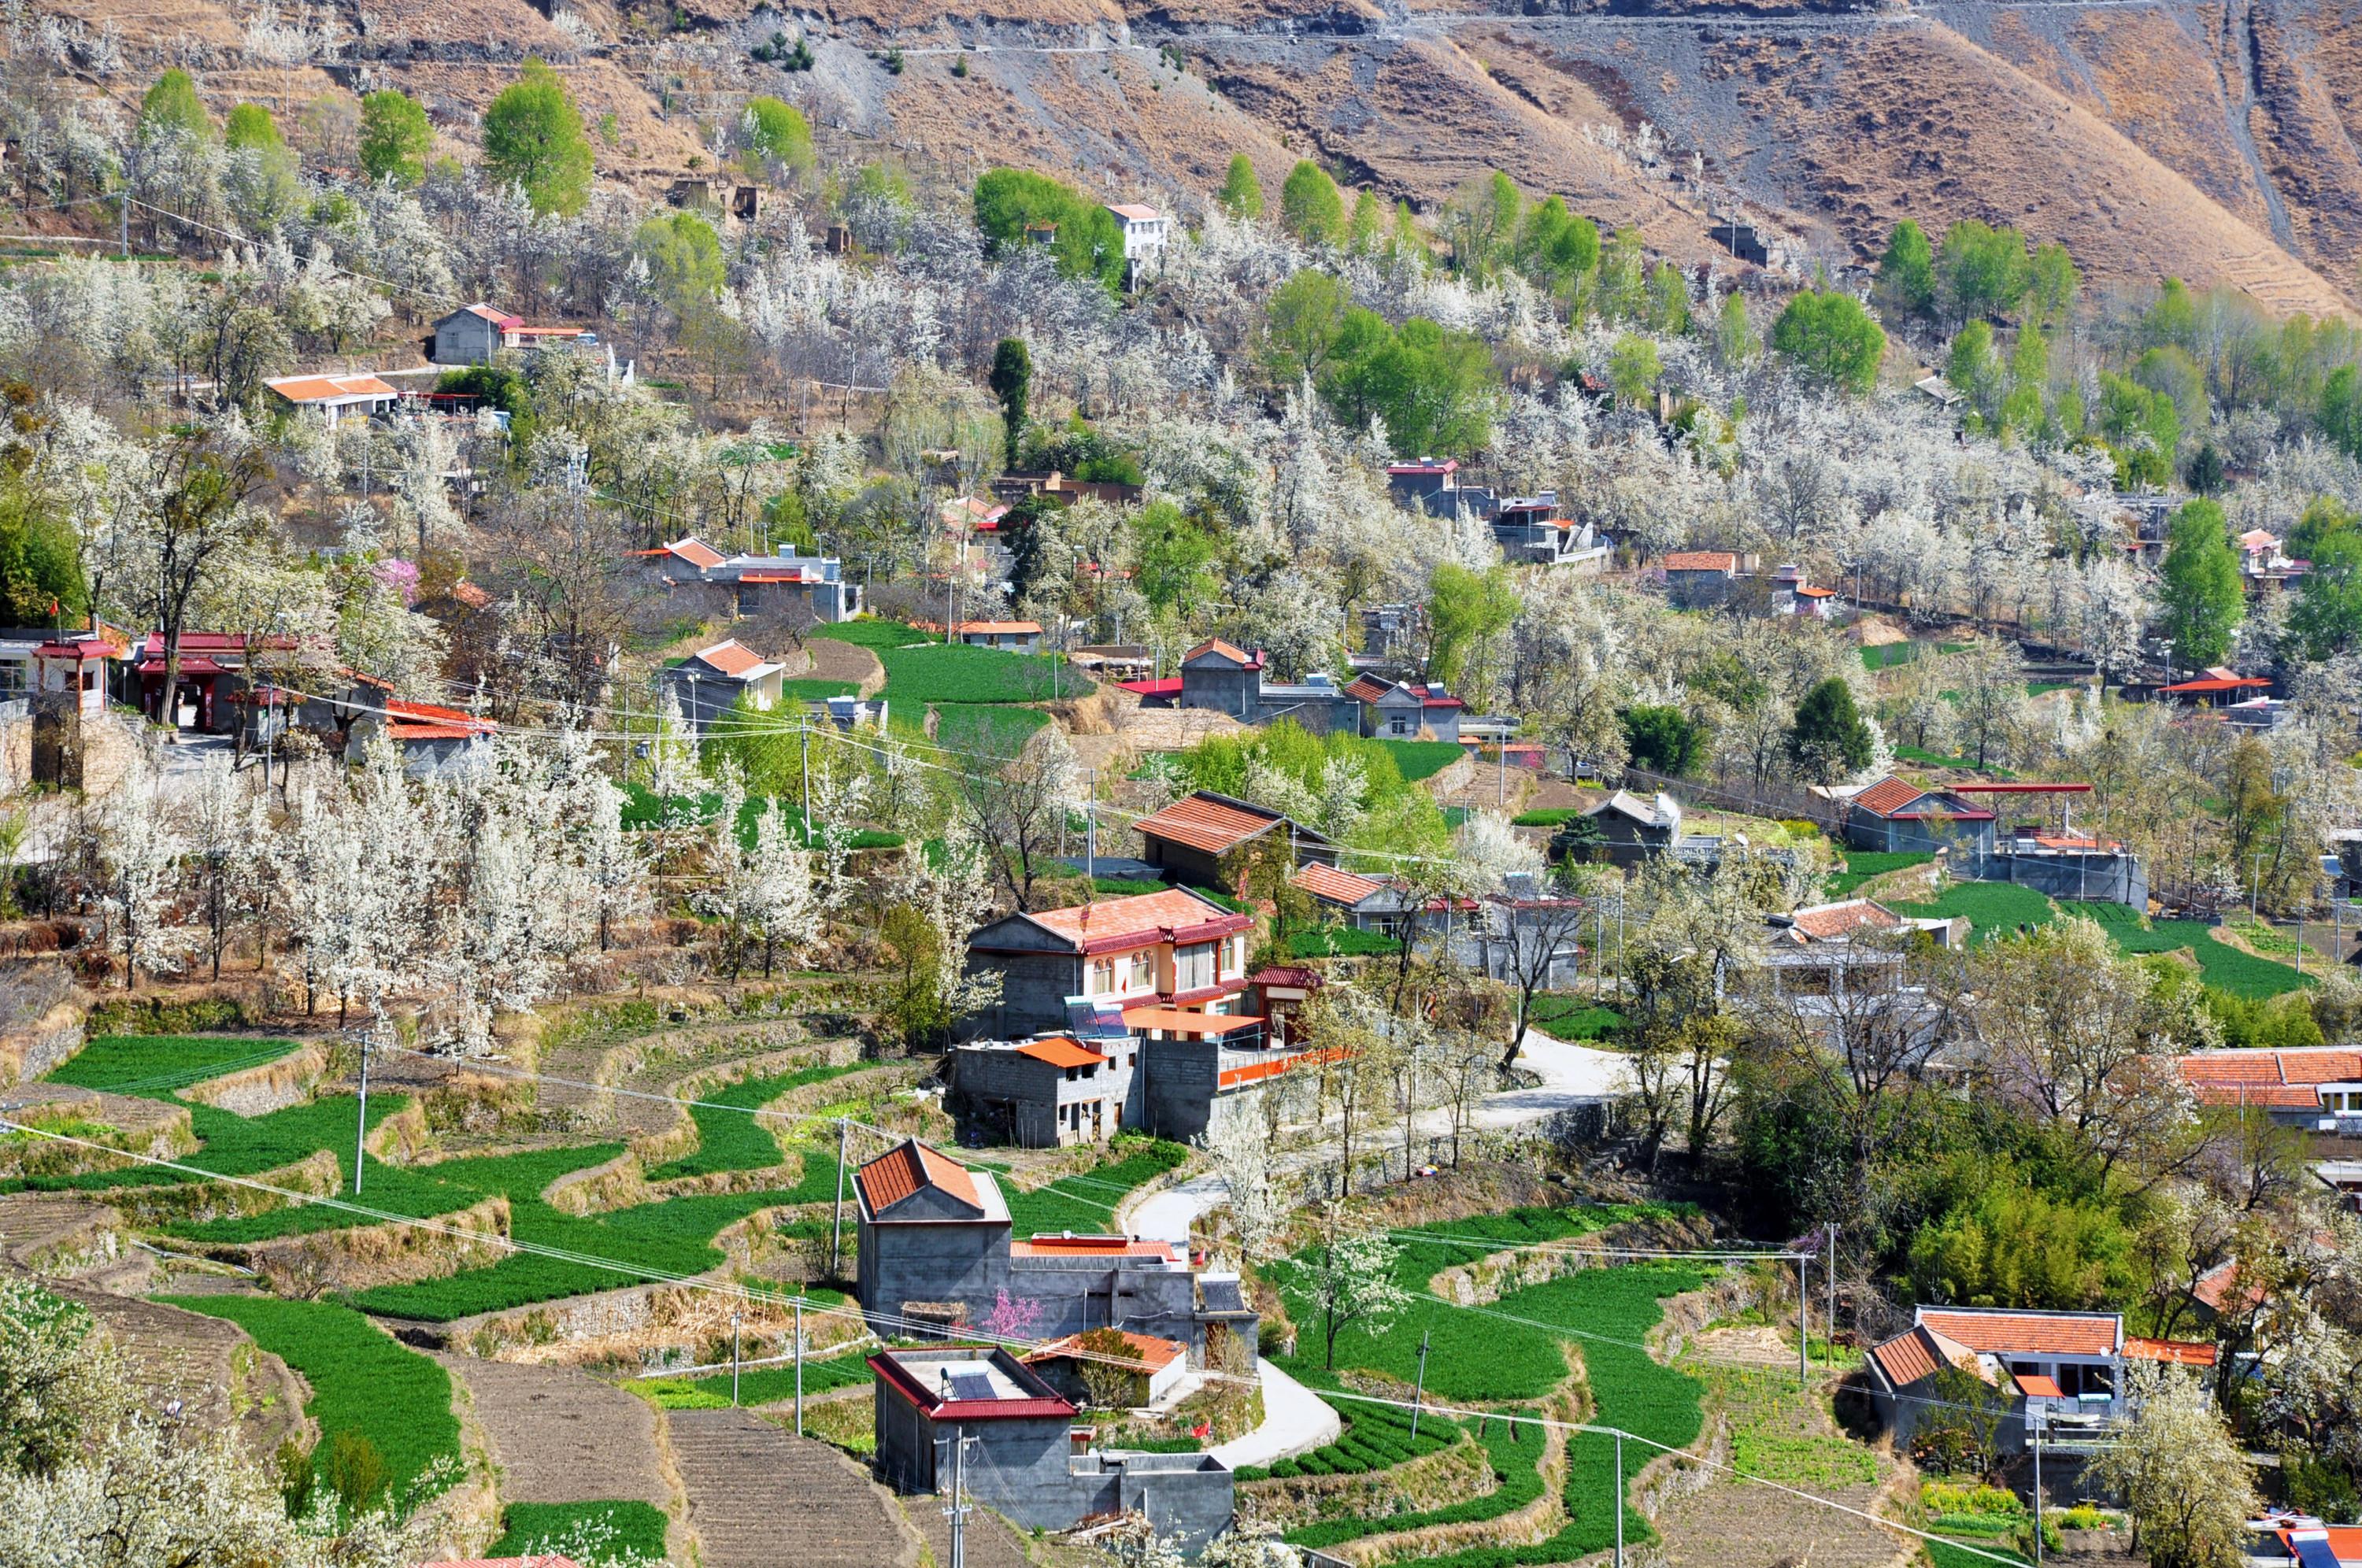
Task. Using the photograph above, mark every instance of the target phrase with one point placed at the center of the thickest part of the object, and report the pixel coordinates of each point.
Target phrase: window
(1398, 724)
(1102, 975)
(12, 678)
(1234, 957)
(1193, 966)
(1143, 971)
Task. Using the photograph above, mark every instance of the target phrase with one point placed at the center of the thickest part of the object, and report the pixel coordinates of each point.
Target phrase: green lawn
(1423, 760)
(362, 1379)
(621, 1528)
(1573, 1018)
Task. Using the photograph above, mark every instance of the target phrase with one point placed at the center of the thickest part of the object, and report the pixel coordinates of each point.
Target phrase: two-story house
(473, 334)
(713, 680)
(1402, 711)
(1173, 950)
(1697, 579)
(2317, 1088)
(741, 585)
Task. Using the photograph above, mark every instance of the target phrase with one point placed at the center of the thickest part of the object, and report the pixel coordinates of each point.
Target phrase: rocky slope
(2213, 139)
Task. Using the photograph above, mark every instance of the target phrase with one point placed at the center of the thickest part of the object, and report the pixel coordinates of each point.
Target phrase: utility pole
(360, 1121)
(837, 1227)
(733, 1361)
(1619, 1503)
(805, 769)
(957, 1512)
(1829, 1272)
(799, 1364)
(1090, 828)
(1418, 1393)
(1803, 1373)
(2037, 1498)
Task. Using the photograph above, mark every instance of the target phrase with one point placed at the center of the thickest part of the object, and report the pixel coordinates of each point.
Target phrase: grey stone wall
(960, 1262)
(1034, 991)
(2102, 878)
(1177, 1083)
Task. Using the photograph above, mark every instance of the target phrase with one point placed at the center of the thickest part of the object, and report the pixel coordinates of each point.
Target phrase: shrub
(356, 1472)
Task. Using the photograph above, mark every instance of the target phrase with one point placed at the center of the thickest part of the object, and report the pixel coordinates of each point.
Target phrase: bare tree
(1019, 810)
(1535, 931)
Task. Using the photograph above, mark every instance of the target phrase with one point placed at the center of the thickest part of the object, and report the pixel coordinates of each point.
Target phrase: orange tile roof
(1368, 688)
(1917, 1352)
(405, 720)
(1216, 645)
(731, 658)
(1827, 922)
(1210, 823)
(1338, 886)
(325, 389)
(2181, 1353)
(2282, 1080)
(1061, 1052)
(996, 628)
(904, 1169)
(2041, 1333)
(1174, 908)
(2036, 1386)
(1887, 796)
(1154, 1354)
(1701, 560)
(696, 552)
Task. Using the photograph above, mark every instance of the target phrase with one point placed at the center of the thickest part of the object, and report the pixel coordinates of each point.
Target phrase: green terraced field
(1086, 1204)
(362, 1380)
(629, 1528)
(759, 1386)
(728, 1141)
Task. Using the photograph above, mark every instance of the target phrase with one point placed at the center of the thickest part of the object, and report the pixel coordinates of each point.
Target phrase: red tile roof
(905, 1382)
(696, 552)
(1000, 629)
(1808, 592)
(2042, 1333)
(1154, 1354)
(1210, 823)
(904, 1169)
(1061, 1052)
(1046, 1246)
(407, 721)
(1337, 886)
(1168, 687)
(2181, 1353)
(1368, 688)
(2216, 683)
(1701, 560)
(1887, 796)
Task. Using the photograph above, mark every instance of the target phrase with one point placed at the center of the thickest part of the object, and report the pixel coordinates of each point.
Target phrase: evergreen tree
(1829, 738)
(1011, 382)
(1310, 207)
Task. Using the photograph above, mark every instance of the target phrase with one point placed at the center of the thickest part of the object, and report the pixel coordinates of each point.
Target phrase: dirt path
(832, 659)
(759, 1497)
(562, 1436)
(207, 1366)
(993, 1542)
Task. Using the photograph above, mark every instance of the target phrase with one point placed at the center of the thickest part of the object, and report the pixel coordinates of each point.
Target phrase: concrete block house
(812, 586)
(1206, 840)
(2060, 1374)
(1893, 815)
(1401, 710)
(1017, 1453)
(713, 680)
(474, 335)
(2316, 1088)
(1696, 579)
(934, 1246)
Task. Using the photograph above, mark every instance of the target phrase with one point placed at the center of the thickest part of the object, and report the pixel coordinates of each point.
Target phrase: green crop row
(622, 1526)
(1514, 1452)
(1376, 1437)
(760, 1385)
(156, 1064)
(872, 635)
(362, 1380)
(940, 672)
(731, 1139)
